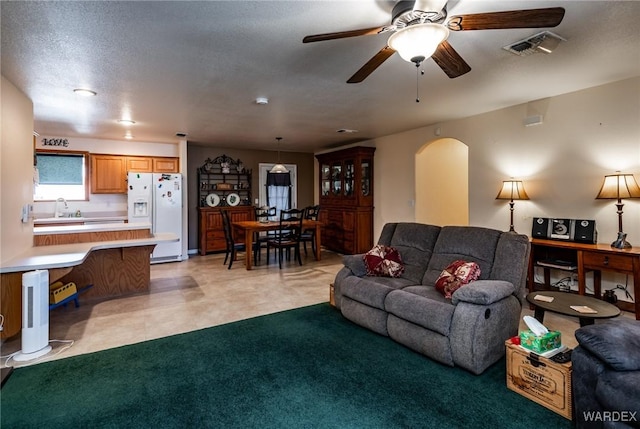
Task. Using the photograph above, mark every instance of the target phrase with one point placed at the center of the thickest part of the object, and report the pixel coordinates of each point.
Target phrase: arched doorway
(442, 183)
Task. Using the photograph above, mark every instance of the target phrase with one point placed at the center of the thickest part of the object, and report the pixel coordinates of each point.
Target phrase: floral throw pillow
(456, 275)
(383, 261)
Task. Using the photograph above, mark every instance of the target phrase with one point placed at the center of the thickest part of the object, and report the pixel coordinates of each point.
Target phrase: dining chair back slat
(287, 235)
(309, 235)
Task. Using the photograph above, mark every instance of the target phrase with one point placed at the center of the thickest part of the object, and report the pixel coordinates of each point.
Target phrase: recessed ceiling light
(126, 122)
(346, 131)
(85, 92)
(128, 136)
(262, 100)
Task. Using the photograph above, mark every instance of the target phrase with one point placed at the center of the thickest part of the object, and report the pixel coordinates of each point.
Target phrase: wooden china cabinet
(223, 184)
(346, 199)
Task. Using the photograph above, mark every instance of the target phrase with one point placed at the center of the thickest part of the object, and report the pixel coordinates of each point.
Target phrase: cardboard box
(540, 343)
(58, 291)
(540, 379)
(332, 300)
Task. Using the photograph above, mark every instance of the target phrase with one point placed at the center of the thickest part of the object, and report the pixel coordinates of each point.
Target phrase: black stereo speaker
(585, 231)
(540, 227)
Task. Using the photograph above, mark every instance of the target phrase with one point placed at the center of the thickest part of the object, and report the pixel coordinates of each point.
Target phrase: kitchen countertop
(79, 219)
(70, 255)
(93, 227)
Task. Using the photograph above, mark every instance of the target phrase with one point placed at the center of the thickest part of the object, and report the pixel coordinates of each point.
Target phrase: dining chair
(263, 214)
(309, 234)
(232, 246)
(287, 235)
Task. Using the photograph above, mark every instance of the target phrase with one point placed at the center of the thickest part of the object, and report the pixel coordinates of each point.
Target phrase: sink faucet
(58, 212)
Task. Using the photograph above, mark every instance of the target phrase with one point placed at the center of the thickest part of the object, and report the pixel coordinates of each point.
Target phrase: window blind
(60, 169)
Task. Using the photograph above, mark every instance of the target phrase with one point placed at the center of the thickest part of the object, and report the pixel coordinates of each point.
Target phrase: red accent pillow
(456, 275)
(383, 261)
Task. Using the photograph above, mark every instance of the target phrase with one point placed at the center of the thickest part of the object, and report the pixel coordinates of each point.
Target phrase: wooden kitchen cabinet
(346, 199)
(140, 164)
(210, 229)
(147, 164)
(108, 174)
(166, 165)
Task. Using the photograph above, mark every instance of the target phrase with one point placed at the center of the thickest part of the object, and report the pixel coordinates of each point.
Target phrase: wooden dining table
(249, 227)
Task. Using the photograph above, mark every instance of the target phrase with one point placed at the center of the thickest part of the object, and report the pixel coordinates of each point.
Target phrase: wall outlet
(27, 211)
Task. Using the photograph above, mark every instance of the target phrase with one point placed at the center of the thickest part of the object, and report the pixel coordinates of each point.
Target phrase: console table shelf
(588, 257)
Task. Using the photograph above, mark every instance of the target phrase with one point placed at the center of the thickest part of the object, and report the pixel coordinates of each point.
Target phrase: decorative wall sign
(55, 142)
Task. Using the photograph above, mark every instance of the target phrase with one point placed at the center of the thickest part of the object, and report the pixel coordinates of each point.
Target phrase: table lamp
(616, 187)
(512, 190)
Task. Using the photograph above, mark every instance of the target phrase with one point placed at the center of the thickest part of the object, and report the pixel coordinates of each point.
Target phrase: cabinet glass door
(366, 177)
(349, 178)
(336, 178)
(325, 174)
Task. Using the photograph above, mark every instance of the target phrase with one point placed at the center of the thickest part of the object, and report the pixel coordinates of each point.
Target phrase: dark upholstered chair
(606, 375)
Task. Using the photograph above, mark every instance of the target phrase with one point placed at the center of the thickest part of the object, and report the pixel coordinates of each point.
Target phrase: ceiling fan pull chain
(418, 83)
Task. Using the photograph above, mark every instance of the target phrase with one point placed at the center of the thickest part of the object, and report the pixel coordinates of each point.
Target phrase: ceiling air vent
(544, 42)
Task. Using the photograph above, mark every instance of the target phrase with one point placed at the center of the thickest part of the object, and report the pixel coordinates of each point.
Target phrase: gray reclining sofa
(468, 330)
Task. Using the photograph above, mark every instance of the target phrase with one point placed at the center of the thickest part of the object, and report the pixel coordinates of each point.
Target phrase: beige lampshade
(512, 190)
(619, 186)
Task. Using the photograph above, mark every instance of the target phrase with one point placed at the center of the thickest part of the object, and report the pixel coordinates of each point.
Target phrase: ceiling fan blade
(371, 65)
(532, 18)
(450, 61)
(342, 34)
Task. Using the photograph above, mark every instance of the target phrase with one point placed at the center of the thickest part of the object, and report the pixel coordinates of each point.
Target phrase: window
(60, 175)
(281, 197)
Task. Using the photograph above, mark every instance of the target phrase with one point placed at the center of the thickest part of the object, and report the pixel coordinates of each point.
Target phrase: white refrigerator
(156, 198)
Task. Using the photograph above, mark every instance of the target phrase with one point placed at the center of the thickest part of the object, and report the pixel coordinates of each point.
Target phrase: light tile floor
(198, 293)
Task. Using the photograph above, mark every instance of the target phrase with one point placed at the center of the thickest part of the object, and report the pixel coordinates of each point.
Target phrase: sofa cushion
(472, 244)
(371, 291)
(356, 264)
(433, 315)
(616, 342)
(456, 275)
(415, 243)
(384, 261)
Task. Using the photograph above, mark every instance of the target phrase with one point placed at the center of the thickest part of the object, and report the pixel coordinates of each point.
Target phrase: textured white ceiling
(197, 67)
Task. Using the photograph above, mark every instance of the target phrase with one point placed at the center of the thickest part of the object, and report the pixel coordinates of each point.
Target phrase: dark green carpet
(307, 367)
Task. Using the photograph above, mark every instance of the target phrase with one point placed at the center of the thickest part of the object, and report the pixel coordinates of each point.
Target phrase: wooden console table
(588, 257)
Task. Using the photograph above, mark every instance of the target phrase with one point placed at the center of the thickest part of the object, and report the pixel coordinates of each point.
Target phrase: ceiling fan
(420, 29)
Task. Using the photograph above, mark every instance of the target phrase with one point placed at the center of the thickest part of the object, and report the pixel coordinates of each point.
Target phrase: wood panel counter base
(113, 272)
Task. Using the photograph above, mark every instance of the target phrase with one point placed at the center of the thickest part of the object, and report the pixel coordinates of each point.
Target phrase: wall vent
(544, 42)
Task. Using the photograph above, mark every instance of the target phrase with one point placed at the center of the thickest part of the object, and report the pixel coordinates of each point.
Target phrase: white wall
(16, 170)
(584, 135)
(442, 183)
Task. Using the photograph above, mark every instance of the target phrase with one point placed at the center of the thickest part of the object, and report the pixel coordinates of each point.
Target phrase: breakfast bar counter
(113, 267)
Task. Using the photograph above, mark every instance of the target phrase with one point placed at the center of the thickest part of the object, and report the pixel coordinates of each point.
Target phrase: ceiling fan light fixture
(417, 42)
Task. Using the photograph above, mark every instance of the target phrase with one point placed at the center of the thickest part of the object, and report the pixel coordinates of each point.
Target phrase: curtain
(279, 191)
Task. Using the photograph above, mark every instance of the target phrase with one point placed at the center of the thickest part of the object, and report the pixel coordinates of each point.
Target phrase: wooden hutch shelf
(224, 184)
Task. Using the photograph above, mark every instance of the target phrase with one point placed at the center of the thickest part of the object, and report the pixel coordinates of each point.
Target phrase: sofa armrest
(483, 292)
(355, 263)
(616, 342)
